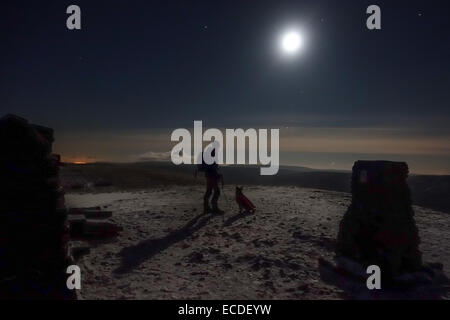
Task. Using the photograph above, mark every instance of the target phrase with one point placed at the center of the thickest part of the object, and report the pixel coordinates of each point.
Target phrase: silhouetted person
(213, 177)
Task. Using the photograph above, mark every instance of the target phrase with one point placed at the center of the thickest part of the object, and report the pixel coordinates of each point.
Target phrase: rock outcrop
(34, 232)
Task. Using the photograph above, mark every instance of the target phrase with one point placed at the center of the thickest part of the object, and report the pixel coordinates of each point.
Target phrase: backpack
(204, 167)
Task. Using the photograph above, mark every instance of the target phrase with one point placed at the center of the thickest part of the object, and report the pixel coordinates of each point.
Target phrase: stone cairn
(34, 233)
(36, 227)
(379, 227)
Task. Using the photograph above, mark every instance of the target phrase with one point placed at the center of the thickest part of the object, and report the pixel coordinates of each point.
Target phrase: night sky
(138, 69)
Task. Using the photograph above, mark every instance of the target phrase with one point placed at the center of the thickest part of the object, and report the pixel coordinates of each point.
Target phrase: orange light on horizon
(78, 160)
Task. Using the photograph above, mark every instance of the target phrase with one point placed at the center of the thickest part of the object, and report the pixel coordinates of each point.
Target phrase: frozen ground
(169, 250)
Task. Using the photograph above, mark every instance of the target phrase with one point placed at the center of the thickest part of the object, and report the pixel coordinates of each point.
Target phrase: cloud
(155, 156)
(364, 140)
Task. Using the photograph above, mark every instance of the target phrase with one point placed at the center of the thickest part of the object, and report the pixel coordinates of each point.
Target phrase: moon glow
(291, 42)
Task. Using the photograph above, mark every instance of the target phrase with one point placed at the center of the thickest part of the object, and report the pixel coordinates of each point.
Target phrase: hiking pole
(226, 199)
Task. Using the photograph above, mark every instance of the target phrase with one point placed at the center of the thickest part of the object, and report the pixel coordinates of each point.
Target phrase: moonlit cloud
(363, 140)
(155, 156)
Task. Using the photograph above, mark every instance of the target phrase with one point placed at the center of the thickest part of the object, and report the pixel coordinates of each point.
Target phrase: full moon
(291, 42)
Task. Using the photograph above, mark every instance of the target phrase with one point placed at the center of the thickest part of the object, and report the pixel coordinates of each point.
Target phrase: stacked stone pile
(34, 232)
(379, 227)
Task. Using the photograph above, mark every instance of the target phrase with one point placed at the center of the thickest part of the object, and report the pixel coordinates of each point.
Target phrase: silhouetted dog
(243, 202)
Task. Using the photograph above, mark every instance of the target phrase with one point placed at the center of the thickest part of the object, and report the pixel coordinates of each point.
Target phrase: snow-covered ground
(169, 250)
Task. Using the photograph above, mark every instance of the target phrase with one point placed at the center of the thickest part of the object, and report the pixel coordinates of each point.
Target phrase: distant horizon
(324, 148)
(282, 166)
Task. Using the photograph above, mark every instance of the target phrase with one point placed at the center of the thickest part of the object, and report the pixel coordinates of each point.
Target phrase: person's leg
(208, 193)
(215, 199)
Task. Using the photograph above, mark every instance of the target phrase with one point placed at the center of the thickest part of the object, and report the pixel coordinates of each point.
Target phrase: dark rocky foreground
(36, 226)
(34, 233)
